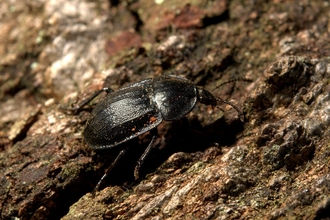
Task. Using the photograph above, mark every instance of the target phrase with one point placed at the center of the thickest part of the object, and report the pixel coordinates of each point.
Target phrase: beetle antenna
(232, 80)
(240, 114)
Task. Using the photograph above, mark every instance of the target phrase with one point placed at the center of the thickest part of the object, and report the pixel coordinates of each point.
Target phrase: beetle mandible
(140, 107)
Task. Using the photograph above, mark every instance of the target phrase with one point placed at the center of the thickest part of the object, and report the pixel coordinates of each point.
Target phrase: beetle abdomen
(121, 116)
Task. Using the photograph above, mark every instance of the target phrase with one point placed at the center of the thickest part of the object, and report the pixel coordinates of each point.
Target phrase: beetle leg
(145, 153)
(78, 108)
(121, 153)
(241, 116)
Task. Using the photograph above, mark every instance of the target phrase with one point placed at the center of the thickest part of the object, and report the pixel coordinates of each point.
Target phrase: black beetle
(140, 107)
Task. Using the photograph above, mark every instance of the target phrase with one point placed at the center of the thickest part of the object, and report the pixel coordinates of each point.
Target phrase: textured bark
(209, 165)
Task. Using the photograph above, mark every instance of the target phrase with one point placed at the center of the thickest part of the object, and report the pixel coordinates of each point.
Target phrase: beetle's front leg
(79, 107)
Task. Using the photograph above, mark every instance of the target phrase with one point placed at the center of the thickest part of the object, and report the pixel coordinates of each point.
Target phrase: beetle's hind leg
(120, 155)
(154, 134)
(75, 110)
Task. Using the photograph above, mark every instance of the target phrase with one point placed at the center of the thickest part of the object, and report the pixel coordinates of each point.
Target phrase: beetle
(140, 107)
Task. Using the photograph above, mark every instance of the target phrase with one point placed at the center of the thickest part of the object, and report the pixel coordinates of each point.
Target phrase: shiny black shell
(138, 108)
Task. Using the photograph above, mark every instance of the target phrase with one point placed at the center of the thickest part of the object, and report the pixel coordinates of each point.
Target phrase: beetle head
(206, 97)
